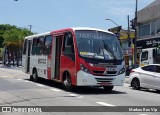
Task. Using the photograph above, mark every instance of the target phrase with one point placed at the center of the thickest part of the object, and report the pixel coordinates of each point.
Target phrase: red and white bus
(75, 57)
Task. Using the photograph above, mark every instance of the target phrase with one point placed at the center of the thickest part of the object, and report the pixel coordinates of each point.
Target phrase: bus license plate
(104, 83)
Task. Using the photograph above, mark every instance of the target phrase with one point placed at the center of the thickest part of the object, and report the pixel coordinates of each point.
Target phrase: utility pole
(30, 28)
(129, 39)
(135, 44)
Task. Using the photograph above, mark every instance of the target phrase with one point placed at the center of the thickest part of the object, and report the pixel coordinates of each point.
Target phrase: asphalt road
(17, 90)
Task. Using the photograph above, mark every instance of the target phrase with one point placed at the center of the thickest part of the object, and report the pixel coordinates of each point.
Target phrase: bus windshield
(98, 44)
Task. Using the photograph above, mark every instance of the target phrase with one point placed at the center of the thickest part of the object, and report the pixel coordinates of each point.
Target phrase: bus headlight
(83, 68)
(121, 71)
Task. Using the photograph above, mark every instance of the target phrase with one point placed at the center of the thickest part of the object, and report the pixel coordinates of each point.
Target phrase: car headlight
(83, 68)
(121, 71)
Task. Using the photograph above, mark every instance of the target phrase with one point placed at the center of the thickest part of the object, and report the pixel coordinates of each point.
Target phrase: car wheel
(135, 84)
(108, 88)
(67, 83)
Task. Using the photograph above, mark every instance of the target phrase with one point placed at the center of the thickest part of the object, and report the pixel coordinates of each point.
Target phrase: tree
(13, 38)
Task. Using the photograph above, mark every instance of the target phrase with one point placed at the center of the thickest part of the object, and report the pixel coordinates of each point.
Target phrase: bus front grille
(104, 80)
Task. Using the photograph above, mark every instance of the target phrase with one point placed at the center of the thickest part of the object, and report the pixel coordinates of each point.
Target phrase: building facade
(148, 21)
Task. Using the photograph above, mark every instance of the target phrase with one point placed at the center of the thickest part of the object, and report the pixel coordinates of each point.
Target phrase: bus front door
(58, 41)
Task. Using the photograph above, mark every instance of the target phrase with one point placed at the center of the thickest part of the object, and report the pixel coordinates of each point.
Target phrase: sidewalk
(12, 67)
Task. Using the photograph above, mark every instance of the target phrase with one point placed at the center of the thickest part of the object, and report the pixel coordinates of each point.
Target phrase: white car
(145, 77)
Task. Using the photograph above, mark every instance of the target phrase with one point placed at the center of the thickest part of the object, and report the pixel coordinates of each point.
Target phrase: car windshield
(98, 44)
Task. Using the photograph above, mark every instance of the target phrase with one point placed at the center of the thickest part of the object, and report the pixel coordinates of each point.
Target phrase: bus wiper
(109, 50)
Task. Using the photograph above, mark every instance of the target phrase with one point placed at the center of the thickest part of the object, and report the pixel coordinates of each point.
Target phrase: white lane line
(54, 89)
(80, 97)
(19, 79)
(27, 81)
(143, 114)
(40, 85)
(104, 104)
(74, 95)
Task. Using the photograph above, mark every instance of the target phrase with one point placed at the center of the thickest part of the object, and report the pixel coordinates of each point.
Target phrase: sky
(48, 15)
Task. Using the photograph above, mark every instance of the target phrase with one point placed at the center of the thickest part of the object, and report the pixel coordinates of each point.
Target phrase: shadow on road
(79, 90)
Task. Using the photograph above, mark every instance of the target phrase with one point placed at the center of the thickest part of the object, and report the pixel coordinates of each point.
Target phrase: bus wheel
(135, 84)
(35, 76)
(67, 83)
(108, 88)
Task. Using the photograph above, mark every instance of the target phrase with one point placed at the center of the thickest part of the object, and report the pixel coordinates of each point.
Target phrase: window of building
(144, 30)
(158, 26)
(144, 56)
(153, 27)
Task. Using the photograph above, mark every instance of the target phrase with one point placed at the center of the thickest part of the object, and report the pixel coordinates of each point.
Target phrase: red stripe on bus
(49, 73)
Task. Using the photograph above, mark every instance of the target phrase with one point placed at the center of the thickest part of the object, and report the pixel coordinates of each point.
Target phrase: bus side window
(69, 46)
(40, 45)
(25, 47)
(48, 45)
(34, 46)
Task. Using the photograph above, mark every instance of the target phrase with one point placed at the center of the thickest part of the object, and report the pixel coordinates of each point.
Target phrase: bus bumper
(86, 79)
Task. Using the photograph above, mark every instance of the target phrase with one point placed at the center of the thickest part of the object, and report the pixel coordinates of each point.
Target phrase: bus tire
(67, 82)
(35, 75)
(108, 88)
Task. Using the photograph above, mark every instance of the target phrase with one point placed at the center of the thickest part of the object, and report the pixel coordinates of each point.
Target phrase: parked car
(128, 70)
(145, 77)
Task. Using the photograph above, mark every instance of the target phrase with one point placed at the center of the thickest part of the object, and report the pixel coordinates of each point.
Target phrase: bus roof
(87, 28)
(37, 35)
(74, 29)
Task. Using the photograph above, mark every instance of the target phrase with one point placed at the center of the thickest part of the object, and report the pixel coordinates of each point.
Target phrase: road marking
(143, 114)
(27, 81)
(3, 76)
(40, 85)
(54, 89)
(104, 104)
(11, 75)
(74, 95)
(19, 79)
(80, 97)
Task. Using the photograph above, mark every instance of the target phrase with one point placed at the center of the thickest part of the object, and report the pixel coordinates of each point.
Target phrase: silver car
(145, 77)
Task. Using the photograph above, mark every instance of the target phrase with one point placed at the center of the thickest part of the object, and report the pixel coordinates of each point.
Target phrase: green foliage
(12, 35)
(0, 53)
